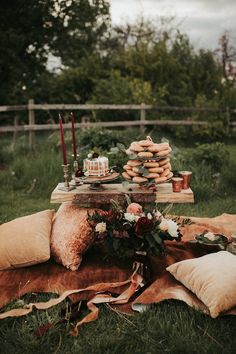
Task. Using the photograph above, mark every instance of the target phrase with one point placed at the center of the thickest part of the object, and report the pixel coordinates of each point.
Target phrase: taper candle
(73, 134)
(63, 147)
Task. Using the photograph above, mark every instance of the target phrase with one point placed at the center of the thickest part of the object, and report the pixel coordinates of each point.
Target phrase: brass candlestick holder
(76, 172)
(67, 187)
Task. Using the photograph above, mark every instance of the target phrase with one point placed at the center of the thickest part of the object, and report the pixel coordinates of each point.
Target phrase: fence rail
(31, 108)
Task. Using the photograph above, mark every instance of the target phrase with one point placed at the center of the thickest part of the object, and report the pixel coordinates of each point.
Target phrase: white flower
(101, 227)
(210, 236)
(172, 228)
(130, 217)
(163, 226)
(90, 156)
(157, 214)
(149, 216)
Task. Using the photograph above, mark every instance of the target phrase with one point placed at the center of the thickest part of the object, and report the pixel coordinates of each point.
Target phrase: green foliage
(100, 138)
(214, 155)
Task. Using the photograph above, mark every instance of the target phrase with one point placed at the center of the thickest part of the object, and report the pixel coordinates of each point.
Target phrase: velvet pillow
(26, 240)
(211, 277)
(71, 235)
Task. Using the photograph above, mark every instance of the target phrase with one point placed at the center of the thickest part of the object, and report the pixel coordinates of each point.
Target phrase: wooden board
(86, 197)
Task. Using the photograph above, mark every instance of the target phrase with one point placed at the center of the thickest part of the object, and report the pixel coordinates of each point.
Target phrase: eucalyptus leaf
(143, 170)
(114, 150)
(121, 147)
(157, 238)
(150, 240)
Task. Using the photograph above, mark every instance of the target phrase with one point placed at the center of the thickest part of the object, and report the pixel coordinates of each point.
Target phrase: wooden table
(86, 197)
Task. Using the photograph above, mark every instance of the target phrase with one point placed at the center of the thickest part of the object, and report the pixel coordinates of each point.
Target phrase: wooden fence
(31, 108)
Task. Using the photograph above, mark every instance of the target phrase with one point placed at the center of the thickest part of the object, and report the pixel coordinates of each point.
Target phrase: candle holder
(67, 187)
(76, 172)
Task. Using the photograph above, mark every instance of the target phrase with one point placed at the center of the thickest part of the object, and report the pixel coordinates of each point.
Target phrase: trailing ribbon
(135, 281)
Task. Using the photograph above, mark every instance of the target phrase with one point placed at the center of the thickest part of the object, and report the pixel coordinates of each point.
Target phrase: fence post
(31, 121)
(142, 117)
(16, 122)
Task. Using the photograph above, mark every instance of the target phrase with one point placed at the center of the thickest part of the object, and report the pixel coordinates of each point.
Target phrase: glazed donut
(145, 154)
(140, 179)
(126, 176)
(134, 163)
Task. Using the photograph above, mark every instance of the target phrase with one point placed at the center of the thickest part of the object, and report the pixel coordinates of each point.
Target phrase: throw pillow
(26, 240)
(211, 277)
(71, 235)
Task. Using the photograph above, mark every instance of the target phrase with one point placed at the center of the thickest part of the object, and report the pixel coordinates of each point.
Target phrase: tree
(30, 30)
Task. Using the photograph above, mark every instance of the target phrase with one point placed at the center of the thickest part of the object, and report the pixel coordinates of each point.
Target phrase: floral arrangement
(125, 232)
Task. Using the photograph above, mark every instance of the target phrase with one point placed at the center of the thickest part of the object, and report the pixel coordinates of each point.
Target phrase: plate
(93, 179)
(219, 239)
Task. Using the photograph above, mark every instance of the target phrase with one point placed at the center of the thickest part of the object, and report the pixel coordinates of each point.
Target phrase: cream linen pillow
(212, 278)
(26, 241)
(71, 235)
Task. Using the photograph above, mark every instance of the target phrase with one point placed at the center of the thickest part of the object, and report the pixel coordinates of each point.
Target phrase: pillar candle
(63, 147)
(73, 134)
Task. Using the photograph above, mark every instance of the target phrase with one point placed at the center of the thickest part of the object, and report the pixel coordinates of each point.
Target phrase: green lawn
(170, 326)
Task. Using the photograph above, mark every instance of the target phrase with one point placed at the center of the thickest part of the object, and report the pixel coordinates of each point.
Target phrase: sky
(203, 20)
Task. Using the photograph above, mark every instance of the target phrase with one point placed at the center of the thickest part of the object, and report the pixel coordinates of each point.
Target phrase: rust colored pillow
(71, 235)
(26, 240)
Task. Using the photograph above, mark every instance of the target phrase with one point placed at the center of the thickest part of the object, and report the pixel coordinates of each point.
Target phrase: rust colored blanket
(98, 280)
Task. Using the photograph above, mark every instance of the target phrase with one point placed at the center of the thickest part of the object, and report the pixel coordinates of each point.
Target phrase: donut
(145, 154)
(145, 143)
(162, 153)
(135, 146)
(126, 176)
(152, 175)
(140, 179)
(132, 173)
(151, 164)
(167, 165)
(165, 173)
(127, 167)
(156, 169)
(170, 175)
(160, 179)
(136, 169)
(134, 163)
(163, 161)
(158, 147)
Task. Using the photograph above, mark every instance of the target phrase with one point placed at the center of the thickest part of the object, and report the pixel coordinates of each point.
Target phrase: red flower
(143, 226)
(102, 212)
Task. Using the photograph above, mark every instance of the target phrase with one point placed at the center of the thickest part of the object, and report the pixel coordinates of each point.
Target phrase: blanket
(113, 281)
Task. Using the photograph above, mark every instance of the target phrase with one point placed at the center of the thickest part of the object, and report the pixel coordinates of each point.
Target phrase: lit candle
(73, 134)
(63, 147)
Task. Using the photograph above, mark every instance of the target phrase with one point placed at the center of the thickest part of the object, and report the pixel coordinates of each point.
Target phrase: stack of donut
(149, 162)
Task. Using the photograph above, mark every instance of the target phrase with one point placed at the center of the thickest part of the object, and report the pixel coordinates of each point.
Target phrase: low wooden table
(87, 197)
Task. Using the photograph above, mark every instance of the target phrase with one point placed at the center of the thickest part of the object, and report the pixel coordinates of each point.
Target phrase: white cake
(98, 166)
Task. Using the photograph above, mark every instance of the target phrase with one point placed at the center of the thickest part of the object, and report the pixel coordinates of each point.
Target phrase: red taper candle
(63, 147)
(73, 134)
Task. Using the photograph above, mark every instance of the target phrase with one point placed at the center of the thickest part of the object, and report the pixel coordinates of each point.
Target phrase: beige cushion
(26, 240)
(71, 235)
(212, 278)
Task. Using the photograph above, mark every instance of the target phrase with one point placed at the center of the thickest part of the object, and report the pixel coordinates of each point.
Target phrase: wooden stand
(86, 197)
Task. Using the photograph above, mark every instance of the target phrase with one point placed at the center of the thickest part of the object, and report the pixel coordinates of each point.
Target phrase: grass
(170, 326)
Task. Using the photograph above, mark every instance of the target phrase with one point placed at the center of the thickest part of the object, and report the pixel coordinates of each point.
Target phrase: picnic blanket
(113, 281)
